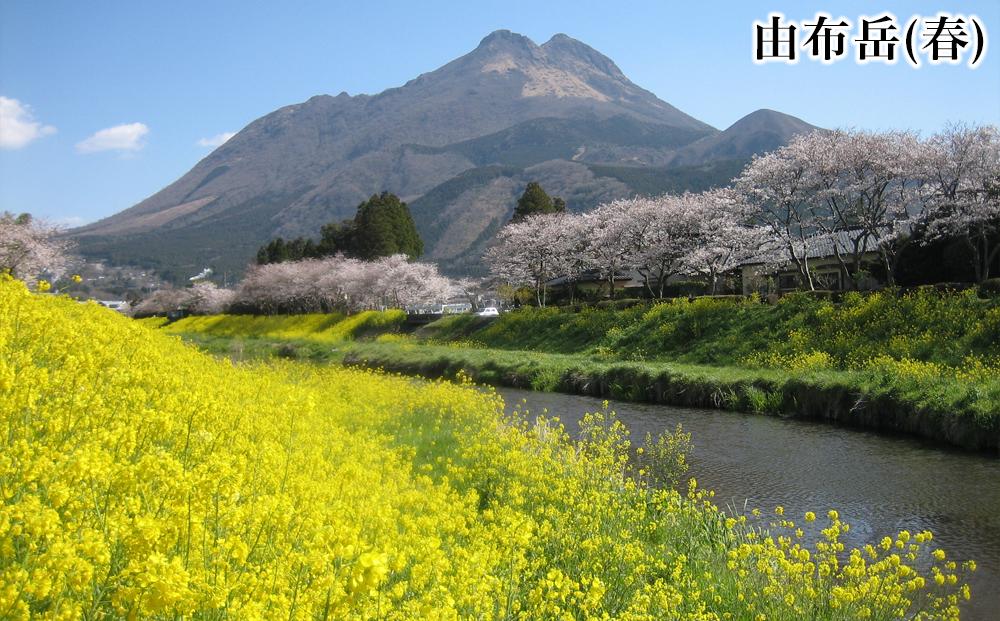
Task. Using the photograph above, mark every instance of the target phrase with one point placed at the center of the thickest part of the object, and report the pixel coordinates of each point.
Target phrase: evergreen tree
(337, 237)
(278, 250)
(383, 226)
(535, 200)
(273, 252)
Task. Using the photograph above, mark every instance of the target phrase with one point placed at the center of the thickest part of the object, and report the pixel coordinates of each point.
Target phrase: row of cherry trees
(316, 285)
(705, 234)
(340, 283)
(880, 187)
(883, 187)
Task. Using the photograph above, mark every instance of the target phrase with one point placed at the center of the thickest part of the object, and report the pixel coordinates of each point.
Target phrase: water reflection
(879, 484)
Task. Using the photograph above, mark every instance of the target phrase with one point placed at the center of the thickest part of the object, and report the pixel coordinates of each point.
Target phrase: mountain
(458, 143)
(757, 132)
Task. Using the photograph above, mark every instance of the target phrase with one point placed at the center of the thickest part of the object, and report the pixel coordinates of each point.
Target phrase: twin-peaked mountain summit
(458, 143)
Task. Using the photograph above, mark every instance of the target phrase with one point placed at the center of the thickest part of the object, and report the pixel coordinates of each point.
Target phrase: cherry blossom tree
(962, 174)
(727, 235)
(161, 301)
(569, 235)
(472, 289)
(665, 232)
(205, 298)
(777, 184)
(30, 247)
(341, 283)
(290, 287)
(863, 183)
(530, 252)
(613, 232)
(401, 283)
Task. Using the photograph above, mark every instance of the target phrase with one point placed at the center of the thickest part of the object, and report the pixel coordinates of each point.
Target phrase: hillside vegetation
(143, 479)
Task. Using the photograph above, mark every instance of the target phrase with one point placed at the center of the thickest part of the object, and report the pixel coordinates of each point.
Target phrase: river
(879, 484)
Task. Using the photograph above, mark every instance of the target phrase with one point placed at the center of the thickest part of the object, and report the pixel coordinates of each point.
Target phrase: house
(592, 284)
(774, 271)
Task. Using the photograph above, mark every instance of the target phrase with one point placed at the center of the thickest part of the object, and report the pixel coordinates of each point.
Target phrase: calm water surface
(880, 485)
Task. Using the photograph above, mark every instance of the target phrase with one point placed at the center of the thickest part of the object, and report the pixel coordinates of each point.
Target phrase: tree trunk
(649, 287)
(802, 265)
(890, 277)
(977, 263)
(990, 257)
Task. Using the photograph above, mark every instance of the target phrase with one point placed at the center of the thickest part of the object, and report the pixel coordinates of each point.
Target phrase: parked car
(489, 311)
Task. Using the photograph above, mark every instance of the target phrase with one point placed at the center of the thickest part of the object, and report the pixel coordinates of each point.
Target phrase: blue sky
(189, 71)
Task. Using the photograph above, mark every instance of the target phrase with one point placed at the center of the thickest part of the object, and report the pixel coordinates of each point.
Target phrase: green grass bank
(923, 363)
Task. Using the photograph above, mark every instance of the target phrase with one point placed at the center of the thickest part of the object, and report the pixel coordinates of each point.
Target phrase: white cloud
(18, 126)
(216, 141)
(126, 137)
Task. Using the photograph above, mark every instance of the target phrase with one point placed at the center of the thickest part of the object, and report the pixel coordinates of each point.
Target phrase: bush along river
(879, 484)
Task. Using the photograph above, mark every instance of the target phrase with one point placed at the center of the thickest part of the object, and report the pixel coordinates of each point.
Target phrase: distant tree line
(382, 227)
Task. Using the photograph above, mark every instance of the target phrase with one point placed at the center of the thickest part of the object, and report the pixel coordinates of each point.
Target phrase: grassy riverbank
(860, 399)
(327, 328)
(922, 363)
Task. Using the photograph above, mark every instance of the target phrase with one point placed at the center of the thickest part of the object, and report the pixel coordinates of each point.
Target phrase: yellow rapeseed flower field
(142, 479)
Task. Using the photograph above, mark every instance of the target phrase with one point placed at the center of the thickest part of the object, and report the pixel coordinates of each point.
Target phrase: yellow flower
(181, 485)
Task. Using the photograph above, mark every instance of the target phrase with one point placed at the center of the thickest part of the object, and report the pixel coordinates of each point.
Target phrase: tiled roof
(817, 247)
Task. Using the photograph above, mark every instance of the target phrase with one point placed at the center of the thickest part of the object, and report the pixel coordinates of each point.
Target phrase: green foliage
(338, 237)
(534, 200)
(663, 458)
(383, 227)
(278, 250)
(762, 401)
